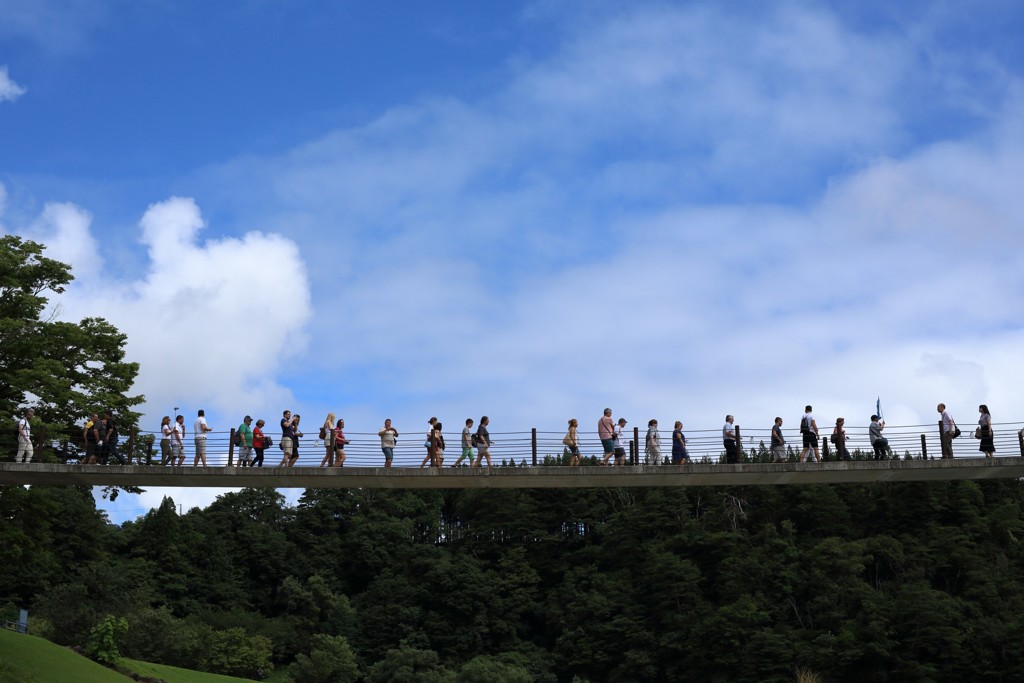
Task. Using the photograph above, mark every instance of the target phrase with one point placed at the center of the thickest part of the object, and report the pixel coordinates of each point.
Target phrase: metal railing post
(231, 447)
(533, 444)
(924, 448)
(636, 445)
(1020, 440)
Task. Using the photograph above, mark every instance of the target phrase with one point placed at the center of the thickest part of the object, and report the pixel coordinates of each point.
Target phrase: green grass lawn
(173, 674)
(27, 659)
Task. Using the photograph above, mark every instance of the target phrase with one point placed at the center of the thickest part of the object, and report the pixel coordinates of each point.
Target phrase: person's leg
(947, 444)
(389, 455)
(24, 453)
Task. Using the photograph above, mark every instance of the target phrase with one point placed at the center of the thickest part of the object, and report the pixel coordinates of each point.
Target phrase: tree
(103, 640)
(409, 665)
(331, 660)
(62, 370)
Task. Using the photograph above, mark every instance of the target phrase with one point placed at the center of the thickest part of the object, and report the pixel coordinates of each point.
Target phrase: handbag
(267, 442)
(567, 440)
(323, 433)
(956, 432)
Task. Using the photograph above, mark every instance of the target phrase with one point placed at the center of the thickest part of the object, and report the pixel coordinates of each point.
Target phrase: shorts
(620, 452)
(810, 440)
(779, 453)
(200, 446)
(389, 453)
(467, 453)
(608, 445)
(287, 445)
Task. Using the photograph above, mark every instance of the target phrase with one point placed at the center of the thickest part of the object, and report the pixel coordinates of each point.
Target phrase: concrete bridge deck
(752, 474)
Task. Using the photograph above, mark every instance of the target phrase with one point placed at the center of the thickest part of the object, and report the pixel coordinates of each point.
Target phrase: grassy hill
(28, 659)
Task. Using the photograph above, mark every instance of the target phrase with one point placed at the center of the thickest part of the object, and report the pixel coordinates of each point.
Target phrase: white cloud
(212, 324)
(9, 90)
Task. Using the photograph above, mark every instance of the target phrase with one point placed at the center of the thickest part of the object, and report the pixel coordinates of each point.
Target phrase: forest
(880, 582)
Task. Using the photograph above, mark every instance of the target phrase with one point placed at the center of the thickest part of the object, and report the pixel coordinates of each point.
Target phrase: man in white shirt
(809, 431)
(25, 449)
(199, 430)
(946, 434)
(732, 454)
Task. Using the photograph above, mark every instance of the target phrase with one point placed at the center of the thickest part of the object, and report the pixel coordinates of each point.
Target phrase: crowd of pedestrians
(100, 440)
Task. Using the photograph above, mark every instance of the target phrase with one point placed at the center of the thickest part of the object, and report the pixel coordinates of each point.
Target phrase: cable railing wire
(519, 448)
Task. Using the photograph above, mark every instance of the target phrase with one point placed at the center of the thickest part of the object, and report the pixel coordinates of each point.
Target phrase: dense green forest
(880, 582)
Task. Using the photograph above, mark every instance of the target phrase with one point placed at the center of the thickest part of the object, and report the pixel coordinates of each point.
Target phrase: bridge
(541, 477)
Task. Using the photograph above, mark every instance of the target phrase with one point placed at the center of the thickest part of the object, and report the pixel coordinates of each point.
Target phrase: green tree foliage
(409, 665)
(103, 640)
(880, 582)
(62, 370)
(330, 660)
(487, 669)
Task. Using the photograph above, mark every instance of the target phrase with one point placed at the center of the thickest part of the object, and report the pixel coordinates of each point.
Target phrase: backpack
(805, 425)
(474, 440)
(323, 433)
(834, 438)
(237, 439)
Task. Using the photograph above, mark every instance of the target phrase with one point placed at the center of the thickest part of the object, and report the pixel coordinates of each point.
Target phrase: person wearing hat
(244, 436)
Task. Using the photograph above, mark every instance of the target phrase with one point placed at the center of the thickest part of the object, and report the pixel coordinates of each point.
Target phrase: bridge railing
(539, 448)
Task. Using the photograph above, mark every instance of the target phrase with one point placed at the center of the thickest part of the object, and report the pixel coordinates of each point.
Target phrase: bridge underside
(759, 474)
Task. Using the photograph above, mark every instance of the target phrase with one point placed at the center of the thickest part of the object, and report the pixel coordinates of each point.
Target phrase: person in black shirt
(110, 441)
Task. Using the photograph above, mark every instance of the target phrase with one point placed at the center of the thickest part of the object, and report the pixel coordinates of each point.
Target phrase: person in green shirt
(245, 442)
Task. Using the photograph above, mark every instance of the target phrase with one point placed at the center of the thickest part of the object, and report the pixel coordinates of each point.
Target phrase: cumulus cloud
(213, 324)
(9, 90)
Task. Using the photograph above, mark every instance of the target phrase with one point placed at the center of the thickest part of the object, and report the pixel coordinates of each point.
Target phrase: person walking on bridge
(25, 449)
(732, 455)
(653, 449)
(606, 433)
(199, 430)
(245, 441)
(985, 433)
(809, 432)
(778, 442)
(947, 431)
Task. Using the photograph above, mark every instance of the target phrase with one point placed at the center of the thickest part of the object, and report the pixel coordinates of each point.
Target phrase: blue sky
(531, 210)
